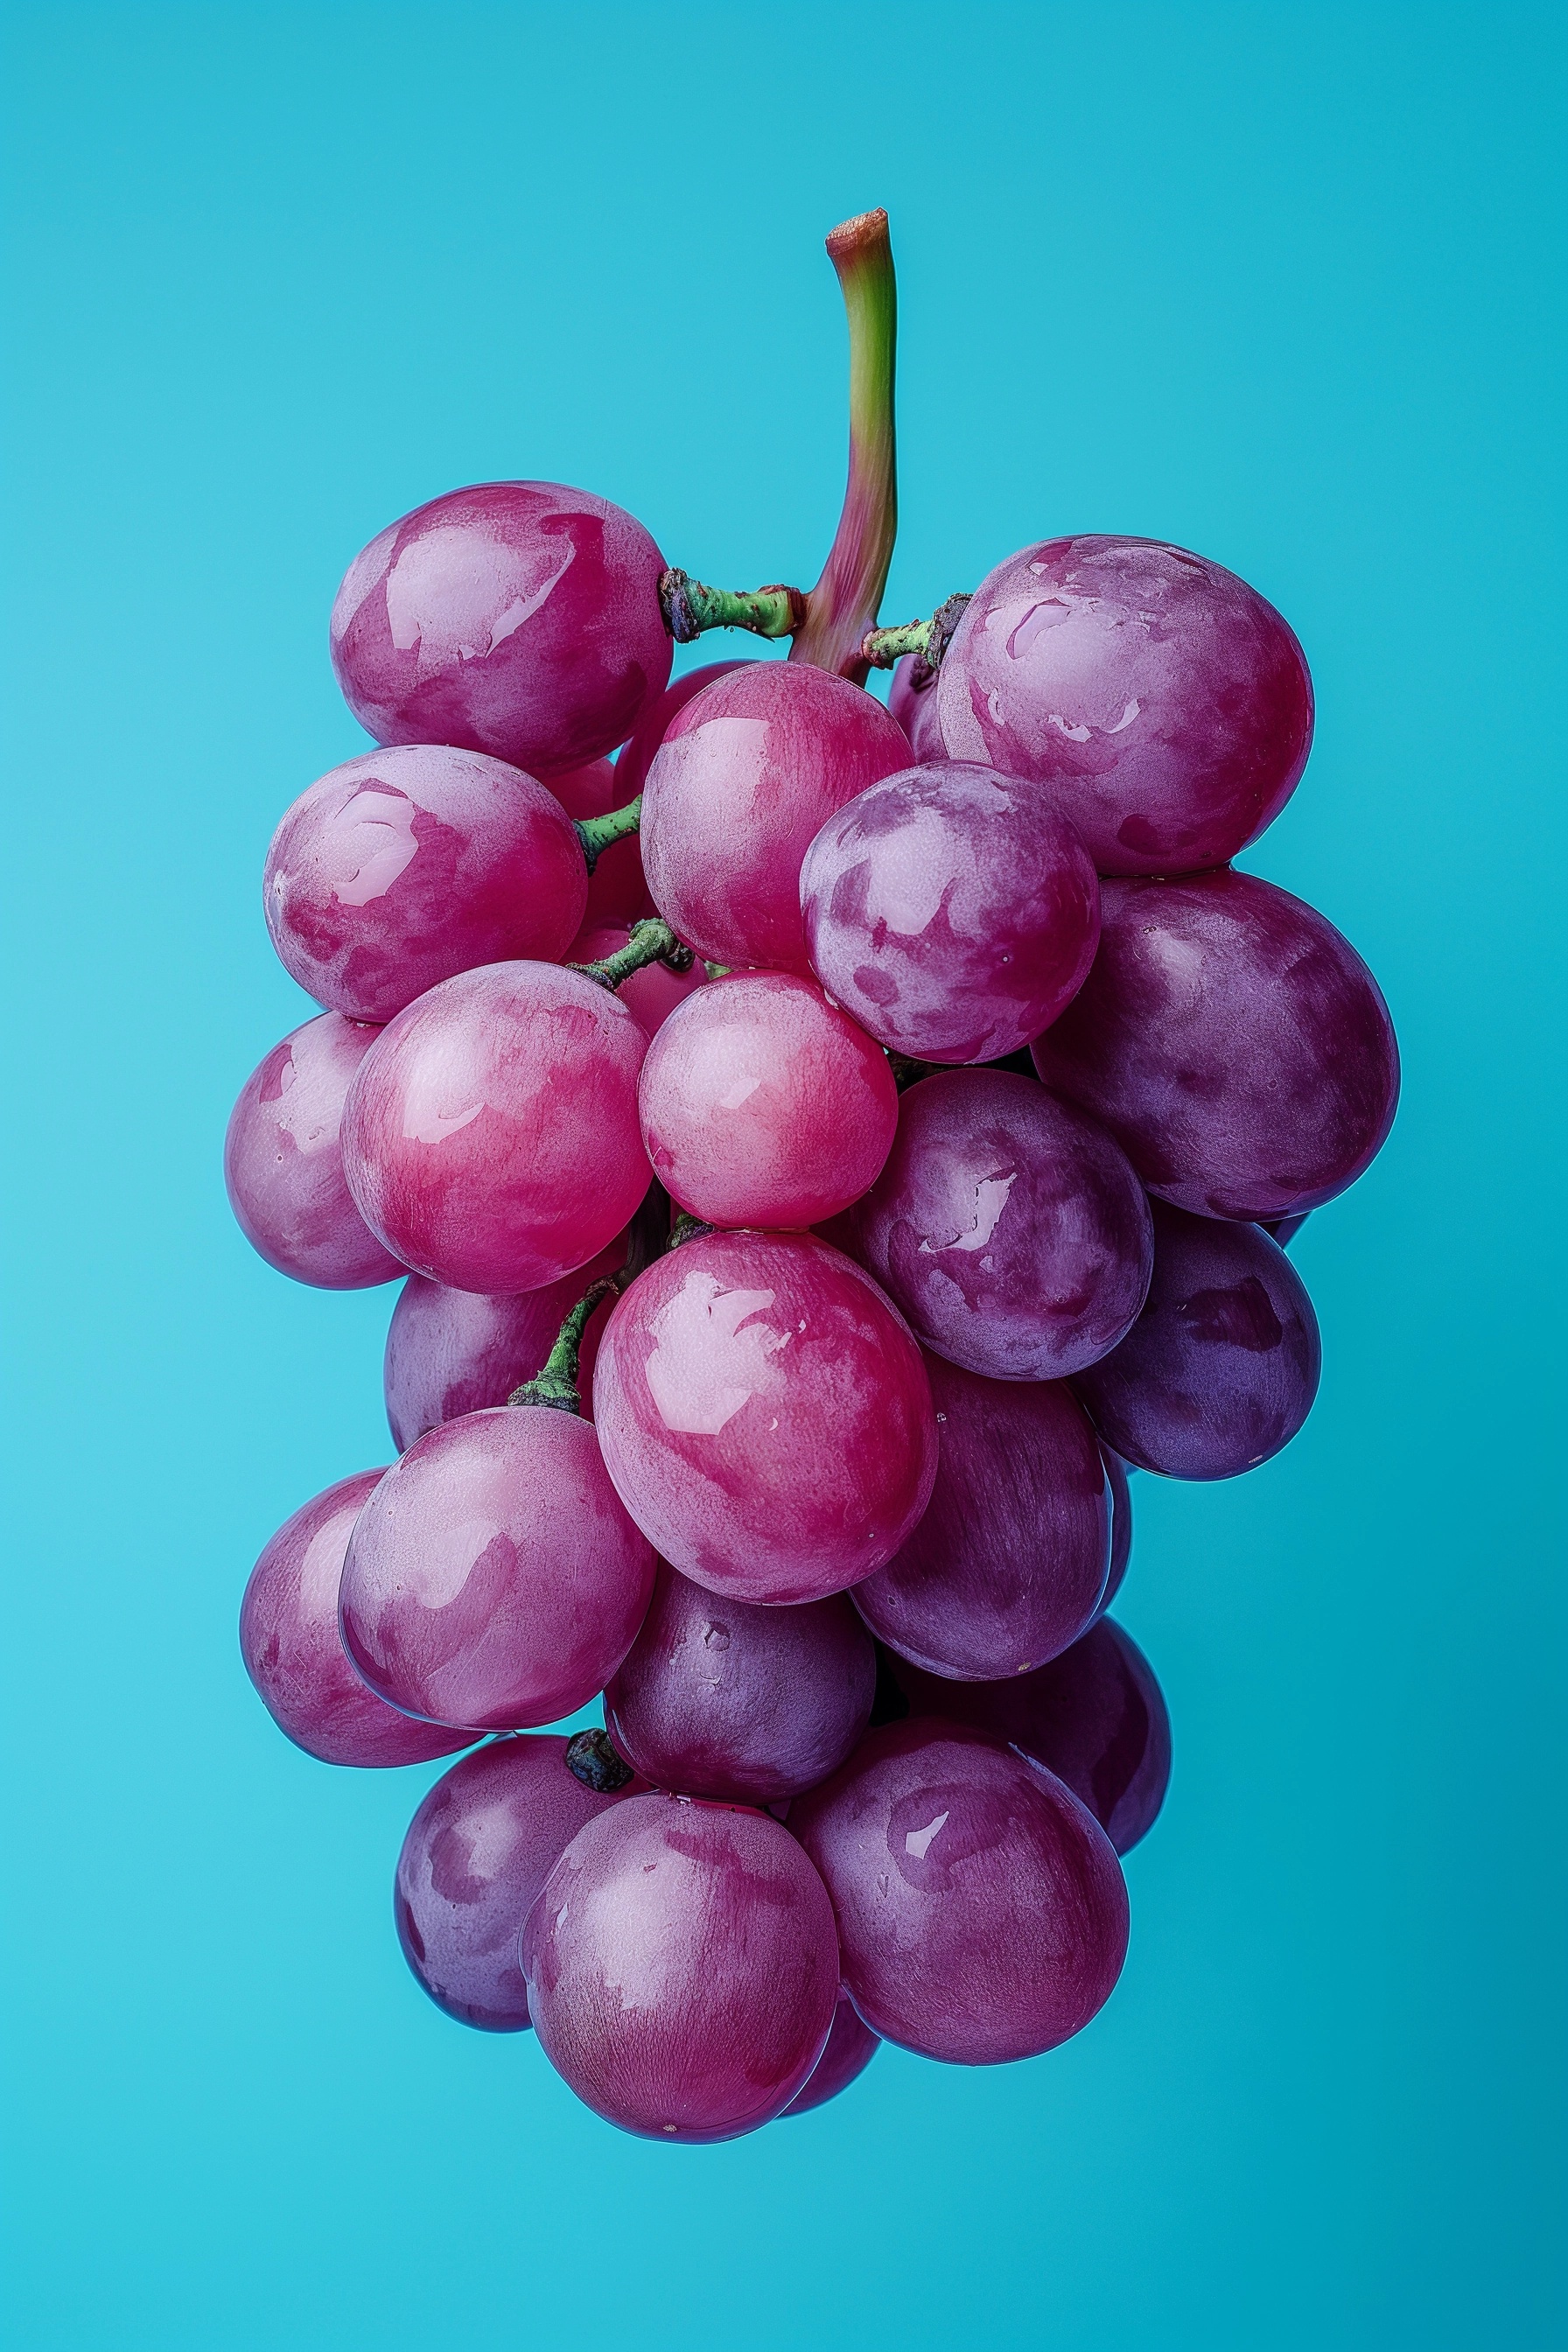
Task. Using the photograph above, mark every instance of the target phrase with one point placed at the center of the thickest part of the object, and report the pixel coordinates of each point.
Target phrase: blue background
(1283, 284)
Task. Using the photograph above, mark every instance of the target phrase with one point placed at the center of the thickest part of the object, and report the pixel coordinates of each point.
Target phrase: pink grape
(400, 868)
(454, 1351)
(748, 772)
(288, 1640)
(682, 1968)
(725, 1698)
(766, 1416)
(1121, 1526)
(652, 993)
(283, 1160)
(1221, 1367)
(1169, 704)
(632, 767)
(982, 1913)
(916, 712)
(518, 618)
(478, 1851)
(762, 1105)
(490, 1138)
(954, 912)
(493, 1578)
(851, 2046)
(1233, 1042)
(617, 890)
(1008, 1227)
(1094, 1716)
(1008, 1564)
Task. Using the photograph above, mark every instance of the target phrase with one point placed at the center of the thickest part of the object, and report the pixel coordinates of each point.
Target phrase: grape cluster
(824, 1149)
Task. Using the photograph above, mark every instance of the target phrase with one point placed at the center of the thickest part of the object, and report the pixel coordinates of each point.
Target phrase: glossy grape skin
(636, 758)
(652, 993)
(490, 1140)
(1007, 1227)
(493, 1578)
(288, 1640)
(748, 772)
(517, 618)
(1221, 1367)
(1094, 1716)
(916, 713)
(682, 1968)
(398, 869)
(982, 1912)
(766, 1416)
(617, 890)
(454, 1351)
(851, 2046)
(761, 1104)
(1284, 1230)
(1120, 1527)
(1233, 1042)
(1167, 701)
(283, 1160)
(950, 910)
(725, 1698)
(1008, 1564)
(478, 1851)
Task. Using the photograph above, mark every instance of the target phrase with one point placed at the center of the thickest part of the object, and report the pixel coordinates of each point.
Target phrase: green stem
(596, 834)
(685, 1228)
(652, 942)
(927, 639)
(556, 1385)
(690, 606)
(843, 606)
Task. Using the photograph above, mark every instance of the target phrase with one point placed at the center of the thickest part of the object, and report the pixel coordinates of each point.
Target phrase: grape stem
(926, 640)
(556, 1385)
(594, 1761)
(830, 623)
(598, 833)
(652, 942)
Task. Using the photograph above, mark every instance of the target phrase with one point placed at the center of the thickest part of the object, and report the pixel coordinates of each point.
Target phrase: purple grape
(1168, 702)
(1008, 1564)
(682, 1968)
(726, 1699)
(916, 711)
(478, 1851)
(288, 1640)
(1233, 1042)
(1220, 1369)
(851, 2046)
(517, 618)
(632, 767)
(766, 1416)
(1006, 1226)
(490, 1138)
(747, 774)
(982, 1913)
(454, 1351)
(1094, 1717)
(400, 868)
(493, 1578)
(283, 1160)
(1121, 1526)
(954, 912)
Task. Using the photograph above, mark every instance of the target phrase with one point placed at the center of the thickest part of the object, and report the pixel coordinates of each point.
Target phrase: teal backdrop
(1281, 283)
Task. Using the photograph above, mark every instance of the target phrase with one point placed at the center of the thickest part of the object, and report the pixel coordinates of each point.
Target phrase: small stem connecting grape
(598, 834)
(556, 1385)
(926, 640)
(652, 942)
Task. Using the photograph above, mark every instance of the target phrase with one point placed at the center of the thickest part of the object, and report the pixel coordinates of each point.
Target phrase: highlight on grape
(824, 1145)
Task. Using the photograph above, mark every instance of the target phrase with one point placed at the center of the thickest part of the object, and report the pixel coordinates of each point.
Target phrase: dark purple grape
(1121, 1526)
(288, 1640)
(1009, 1229)
(402, 868)
(1220, 1369)
(1008, 1564)
(982, 1913)
(1233, 1042)
(517, 618)
(283, 1160)
(851, 2046)
(454, 1351)
(682, 1968)
(953, 911)
(727, 1698)
(1094, 1716)
(478, 1851)
(1167, 701)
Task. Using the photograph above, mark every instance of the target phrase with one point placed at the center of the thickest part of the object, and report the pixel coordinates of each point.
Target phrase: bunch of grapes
(824, 1148)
